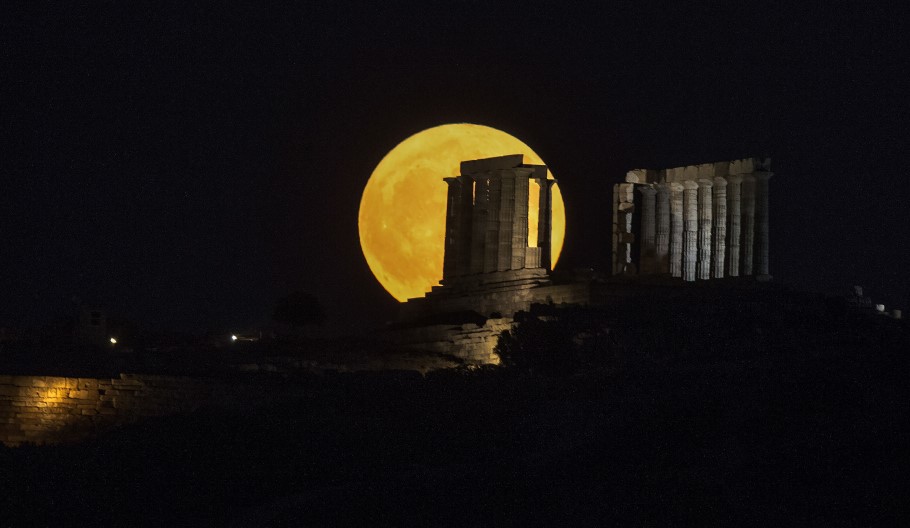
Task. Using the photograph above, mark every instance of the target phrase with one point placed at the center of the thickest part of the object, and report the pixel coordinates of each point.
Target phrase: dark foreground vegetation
(774, 409)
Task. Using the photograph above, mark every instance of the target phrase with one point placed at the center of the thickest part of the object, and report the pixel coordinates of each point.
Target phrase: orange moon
(403, 207)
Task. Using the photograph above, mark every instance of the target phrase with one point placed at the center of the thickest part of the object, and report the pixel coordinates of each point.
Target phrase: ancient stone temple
(488, 265)
(490, 271)
(701, 222)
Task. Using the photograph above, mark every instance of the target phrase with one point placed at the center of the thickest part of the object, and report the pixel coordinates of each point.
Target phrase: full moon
(403, 207)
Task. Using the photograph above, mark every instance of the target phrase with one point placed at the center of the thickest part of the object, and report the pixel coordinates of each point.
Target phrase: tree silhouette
(298, 309)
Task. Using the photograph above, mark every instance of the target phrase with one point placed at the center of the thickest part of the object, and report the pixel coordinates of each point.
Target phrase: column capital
(647, 190)
(720, 182)
(690, 185)
(705, 183)
(734, 178)
(750, 177)
(677, 187)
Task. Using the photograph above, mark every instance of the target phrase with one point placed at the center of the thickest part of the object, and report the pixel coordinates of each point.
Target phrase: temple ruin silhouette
(678, 225)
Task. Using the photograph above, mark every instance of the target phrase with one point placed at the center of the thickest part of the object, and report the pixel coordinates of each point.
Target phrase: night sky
(184, 165)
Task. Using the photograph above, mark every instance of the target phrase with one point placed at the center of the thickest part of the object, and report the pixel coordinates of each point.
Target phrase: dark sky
(186, 164)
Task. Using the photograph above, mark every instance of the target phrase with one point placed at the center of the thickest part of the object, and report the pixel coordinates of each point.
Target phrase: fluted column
(466, 203)
(719, 242)
(623, 210)
(453, 226)
(491, 241)
(545, 222)
(676, 229)
(520, 222)
(662, 251)
(648, 229)
(734, 211)
(762, 229)
(690, 233)
(479, 223)
(506, 220)
(705, 210)
(748, 227)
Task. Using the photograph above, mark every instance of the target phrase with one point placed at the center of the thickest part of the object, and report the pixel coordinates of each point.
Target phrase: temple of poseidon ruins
(698, 222)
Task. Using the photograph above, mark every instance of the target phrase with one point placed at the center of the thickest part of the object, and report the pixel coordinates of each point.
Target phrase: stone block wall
(48, 409)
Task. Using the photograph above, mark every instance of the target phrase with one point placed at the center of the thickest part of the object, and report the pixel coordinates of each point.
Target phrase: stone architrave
(676, 229)
(690, 233)
(662, 255)
(720, 227)
(762, 229)
(705, 211)
(648, 229)
(734, 211)
(748, 226)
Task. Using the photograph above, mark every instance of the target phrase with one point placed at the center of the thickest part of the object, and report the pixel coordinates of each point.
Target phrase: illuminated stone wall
(47, 409)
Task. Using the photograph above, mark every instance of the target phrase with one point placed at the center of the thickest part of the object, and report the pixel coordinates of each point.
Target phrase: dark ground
(778, 409)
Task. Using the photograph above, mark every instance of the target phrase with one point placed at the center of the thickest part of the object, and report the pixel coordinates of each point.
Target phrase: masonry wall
(48, 409)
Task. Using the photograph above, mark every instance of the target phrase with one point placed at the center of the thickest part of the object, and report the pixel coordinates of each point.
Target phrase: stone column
(648, 230)
(748, 227)
(735, 217)
(623, 209)
(505, 220)
(491, 239)
(762, 229)
(545, 222)
(705, 210)
(479, 222)
(676, 229)
(719, 242)
(690, 233)
(520, 221)
(463, 265)
(662, 255)
(453, 226)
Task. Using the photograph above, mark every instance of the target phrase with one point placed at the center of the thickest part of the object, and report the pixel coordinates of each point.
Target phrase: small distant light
(233, 338)
(113, 340)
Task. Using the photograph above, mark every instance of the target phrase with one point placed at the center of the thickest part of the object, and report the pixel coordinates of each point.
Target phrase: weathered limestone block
(705, 212)
(676, 229)
(720, 226)
(748, 224)
(662, 251)
(690, 234)
(648, 229)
